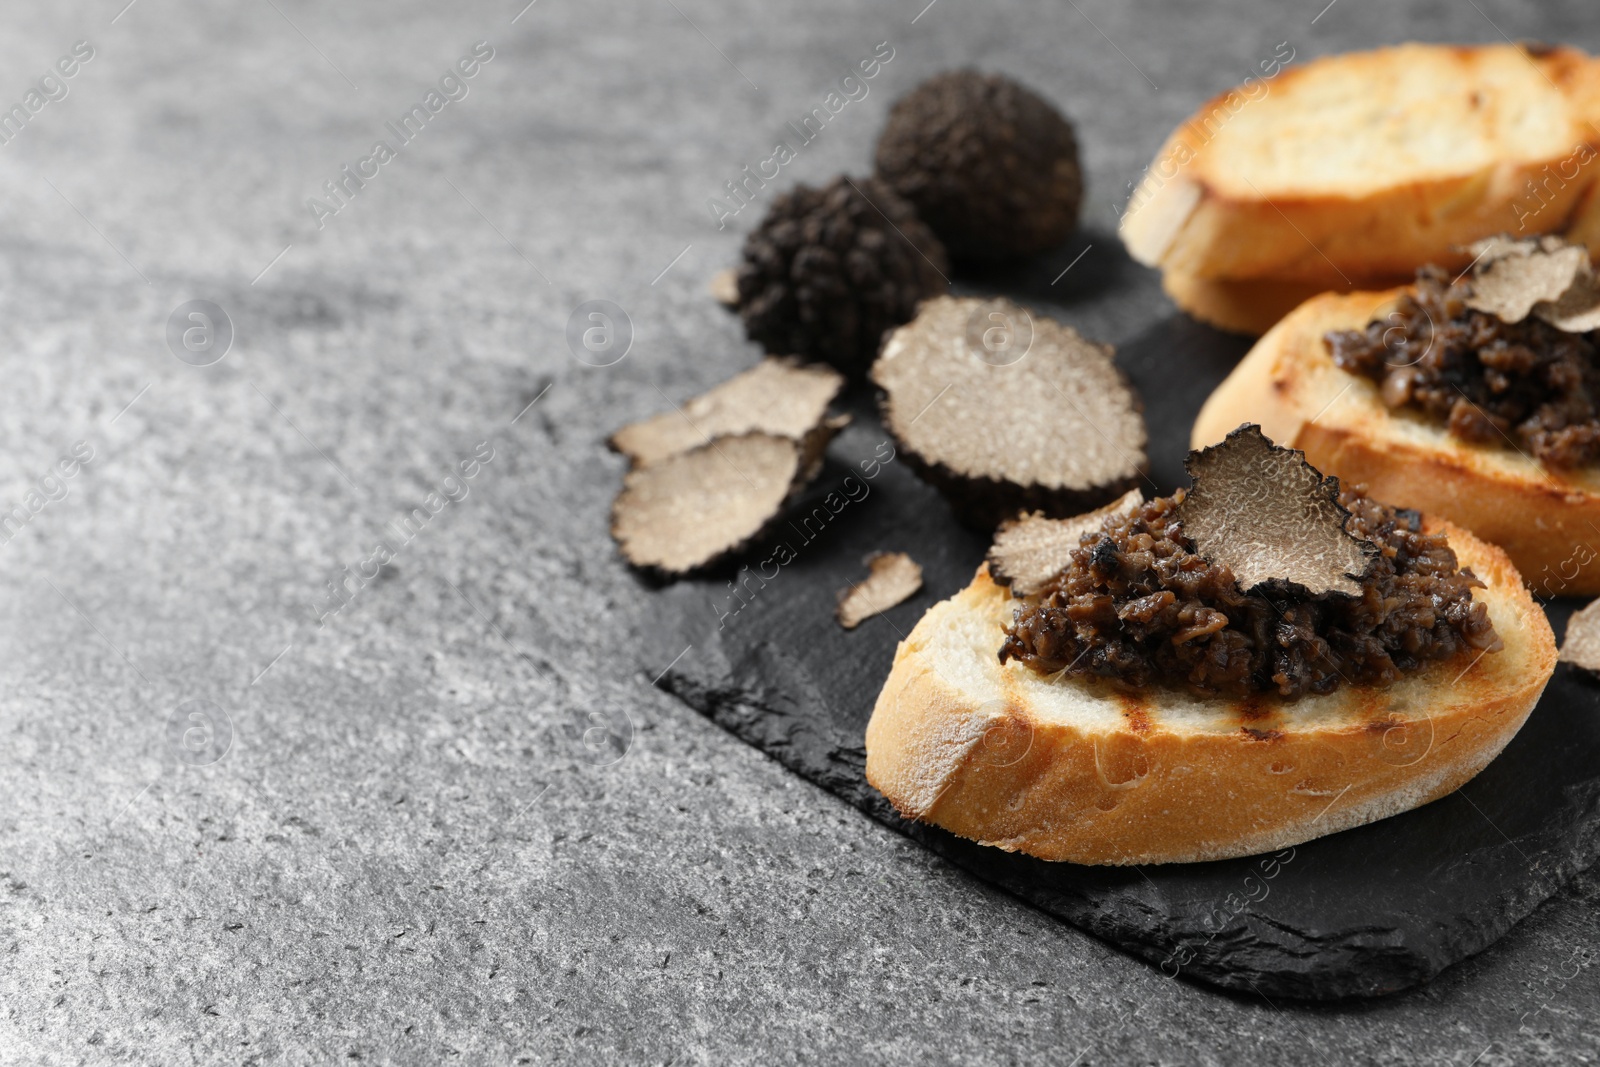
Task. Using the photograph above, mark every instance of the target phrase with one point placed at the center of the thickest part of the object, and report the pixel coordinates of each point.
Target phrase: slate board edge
(780, 735)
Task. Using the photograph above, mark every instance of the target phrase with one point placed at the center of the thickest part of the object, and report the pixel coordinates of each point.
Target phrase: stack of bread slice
(1352, 171)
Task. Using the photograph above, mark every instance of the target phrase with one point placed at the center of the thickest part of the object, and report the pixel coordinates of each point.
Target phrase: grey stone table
(445, 817)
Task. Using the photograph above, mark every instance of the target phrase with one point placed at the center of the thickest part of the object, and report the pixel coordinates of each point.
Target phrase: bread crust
(1077, 771)
(1547, 521)
(1207, 220)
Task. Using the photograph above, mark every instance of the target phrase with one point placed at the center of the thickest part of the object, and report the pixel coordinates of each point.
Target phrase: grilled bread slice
(1363, 166)
(1547, 521)
(1078, 771)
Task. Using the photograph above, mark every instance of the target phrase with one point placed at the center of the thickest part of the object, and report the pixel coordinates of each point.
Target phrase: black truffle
(1270, 517)
(694, 509)
(1003, 412)
(988, 164)
(777, 396)
(829, 270)
(1030, 550)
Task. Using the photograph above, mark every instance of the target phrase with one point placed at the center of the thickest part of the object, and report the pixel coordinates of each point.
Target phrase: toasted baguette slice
(1364, 166)
(1547, 521)
(1081, 772)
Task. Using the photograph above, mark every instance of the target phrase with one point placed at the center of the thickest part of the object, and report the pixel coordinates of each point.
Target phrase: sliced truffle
(781, 397)
(1031, 550)
(1036, 420)
(988, 163)
(830, 269)
(892, 578)
(1268, 516)
(1510, 278)
(1578, 309)
(1544, 276)
(698, 507)
(724, 287)
(1581, 644)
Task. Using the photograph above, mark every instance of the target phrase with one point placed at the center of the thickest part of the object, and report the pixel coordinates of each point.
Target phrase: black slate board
(1368, 911)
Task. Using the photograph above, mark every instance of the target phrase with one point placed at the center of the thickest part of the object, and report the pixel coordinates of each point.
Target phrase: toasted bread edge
(1185, 222)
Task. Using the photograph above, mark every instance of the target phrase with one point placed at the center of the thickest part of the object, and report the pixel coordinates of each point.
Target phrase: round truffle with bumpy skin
(829, 270)
(988, 164)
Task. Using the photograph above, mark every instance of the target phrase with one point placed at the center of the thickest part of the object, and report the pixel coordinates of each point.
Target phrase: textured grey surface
(415, 850)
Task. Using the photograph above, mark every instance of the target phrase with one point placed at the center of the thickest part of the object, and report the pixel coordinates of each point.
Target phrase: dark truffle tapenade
(1139, 607)
(1526, 383)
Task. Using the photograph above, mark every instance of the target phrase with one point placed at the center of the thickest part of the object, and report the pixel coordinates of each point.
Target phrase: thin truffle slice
(1269, 516)
(893, 578)
(1578, 310)
(1581, 645)
(724, 287)
(1030, 550)
(1509, 277)
(781, 397)
(1545, 277)
(1004, 412)
(698, 507)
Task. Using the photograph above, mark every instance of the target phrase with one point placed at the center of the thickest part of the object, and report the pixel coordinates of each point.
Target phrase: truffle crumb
(693, 509)
(782, 397)
(829, 270)
(1267, 515)
(1581, 644)
(988, 164)
(1031, 550)
(893, 578)
(1005, 413)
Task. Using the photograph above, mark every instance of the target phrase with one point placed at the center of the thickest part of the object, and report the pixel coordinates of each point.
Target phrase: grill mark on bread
(1250, 710)
(1136, 712)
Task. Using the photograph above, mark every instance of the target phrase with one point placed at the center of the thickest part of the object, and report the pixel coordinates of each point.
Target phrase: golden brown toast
(1354, 169)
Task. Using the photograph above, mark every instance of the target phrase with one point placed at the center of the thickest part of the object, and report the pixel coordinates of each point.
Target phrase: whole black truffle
(829, 270)
(987, 163)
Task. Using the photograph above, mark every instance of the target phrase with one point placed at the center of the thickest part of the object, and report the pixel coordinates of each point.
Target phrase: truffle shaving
(693, 509)
(1578, 310)
(1029, 551)
(1269, 516)
(1545, 277)
(781, 397)
(1581, 645)
(893, 577)
(724, 287)
(1005, 412)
